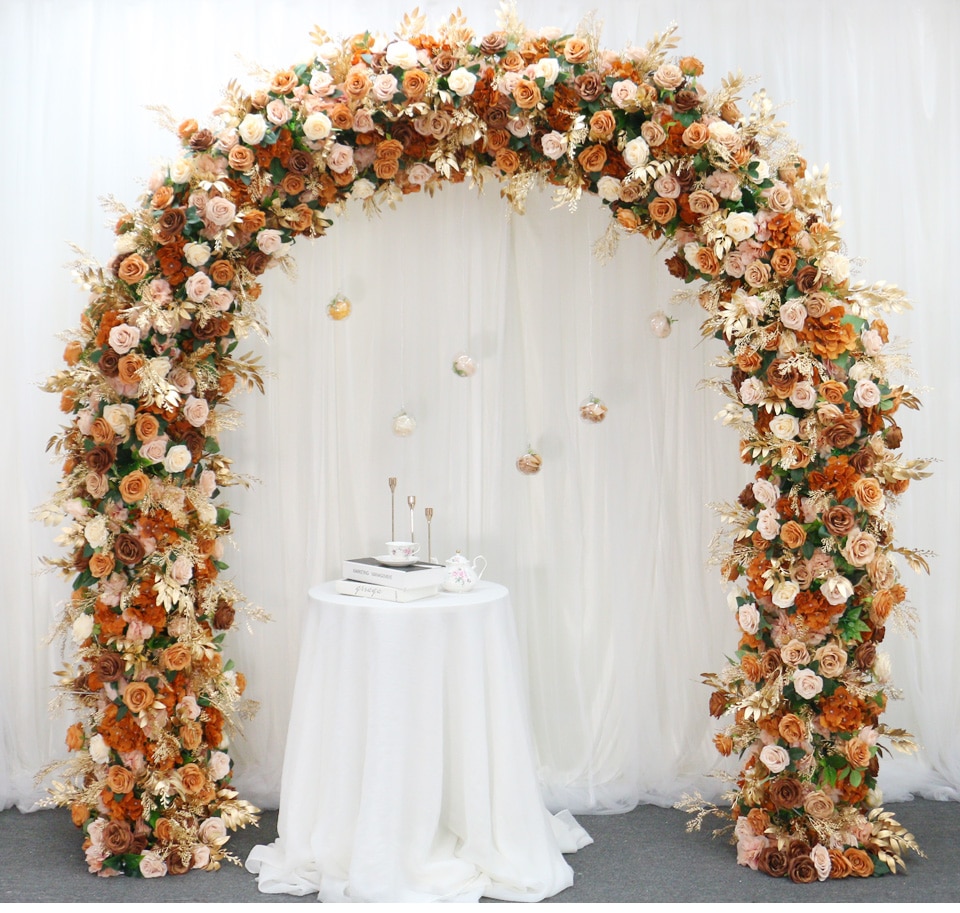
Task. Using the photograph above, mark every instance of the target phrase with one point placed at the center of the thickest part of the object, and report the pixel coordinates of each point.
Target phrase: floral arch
(154, 363)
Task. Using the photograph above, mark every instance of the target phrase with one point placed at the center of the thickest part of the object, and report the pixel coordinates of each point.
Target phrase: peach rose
(702, 202)
(576, 50)
(662, 210)
(869, 494)
(132, 269)
(133, 486)
(757, 274)
(860, 548)
(176, 657)
(138, 696)
(696, 135)
(414, 84)
(192, 778)
(101, 564)
(795, 653)
(792, 534)
(832, 659)
(101, 431)
(526, 94)
(705, 261)
(119, 779)
(592, 158)
(857, 753)
(386, 169)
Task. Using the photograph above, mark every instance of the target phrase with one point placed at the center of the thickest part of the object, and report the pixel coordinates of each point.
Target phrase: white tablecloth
(409, 771)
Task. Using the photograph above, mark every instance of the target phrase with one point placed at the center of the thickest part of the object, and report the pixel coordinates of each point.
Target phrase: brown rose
(592, 158)
(493, 43)
(818, 805)
(861, 865)
(786, 792)
(772, 861)
(224, 616)
(138, 696)
(817, 303)
(602, 125)
(807, 280)
(109, 666)
(133, 486)
(202, 140)
(128, 549)
(770, 663)
(791, 729)
(589, 86)
(792, 534)
(662, 210)
(497, 139)
(842, 433)
(839, 520)
(865, 654)
(802, 870)
(101, 564)
(863, 461)
(526, 94)
(192, 778)
(171, 223)
(109, 363)
(177, 865)
(117, 838)
(119, 779)
(132, 269)
(101, 458)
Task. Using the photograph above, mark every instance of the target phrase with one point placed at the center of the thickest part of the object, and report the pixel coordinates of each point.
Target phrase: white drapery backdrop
(605, 550)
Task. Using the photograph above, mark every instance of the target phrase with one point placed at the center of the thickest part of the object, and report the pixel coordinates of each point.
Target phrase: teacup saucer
(390, 561)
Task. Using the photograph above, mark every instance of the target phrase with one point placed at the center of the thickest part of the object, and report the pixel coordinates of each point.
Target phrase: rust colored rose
(792, 535)
(772, 861)
(101, 564)
(792, 729)
(129, 368)
(75, 737)
(497, 139)
(802, 870)
(589, 86)
(861, 865)
(224, 616)
(750, 664)
(390, 149)
(163, 830)
(138, 696)
(128, 549)
(770, 663)
(117, 838)
(241, 158)
(786, 792)
(592, 158)
(191, 735)
(171, 224)
(718, 704)
(863, 460)
(101, 458)
(256, 261)
(79, 814)
(818, 805)
(783, 261)
(758, 820)
(723, 743)
(132, 269)
(808, 279)
(602, 125)
(507, 161)
(839, 520)
(839, 864)
(293, 184)
(108, 666)
(690, 66)
(134, 486)
(192, 778)
(119, 779)
(526, 94)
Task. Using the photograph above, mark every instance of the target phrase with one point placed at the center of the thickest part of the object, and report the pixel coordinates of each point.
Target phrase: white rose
(328, 51)
(196, 254)
(766, 492)
(120, 416)
(866, 394)
(99, 751)
(608, 188)
(554, 145)
(836, 589)
(636, 152)
(752, 391)
(804, 395)
(317, 127)
(740, 226)
(748, 617)
(462, 81)
(362, 189)
(775, 758)
(253, 128)
(196, 410)
(767, 524)
(402, 54)
(82, 628)
(123, 338)
(547, 69)
(754, 305)
(807, 683)
(836, 266)
(785, 426)
(385, 87)
(784, 594)
(177, 459)
(181, 170)
(793, 314)
(269, 240)
(198, 286)
(126, 243)
(95, 532)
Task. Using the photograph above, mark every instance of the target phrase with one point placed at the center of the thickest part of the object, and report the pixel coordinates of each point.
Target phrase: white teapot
(462, 574)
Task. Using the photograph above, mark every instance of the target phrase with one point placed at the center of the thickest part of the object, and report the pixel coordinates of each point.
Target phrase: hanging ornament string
(403, 423)
(530, 461)
(592, 410)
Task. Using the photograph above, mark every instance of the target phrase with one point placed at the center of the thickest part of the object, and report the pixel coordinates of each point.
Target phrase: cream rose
(752, 391)
(99, 751)
(740, 226)
(196, 410)
(775, 758)
(362, 189)
(785, 426)
(872, 342)
(402, 54)
(95, 532)
(317, 127)
(608, 188)
(82, 628)
(807, 683)
(462, 81)
(636, 153)
(252, 129)
(767, 524)
(836, 266)
(547, 69)
(123, 338)
(120, 417)
(784, 593)
(177, 459)
(196, 254)
(866, 394)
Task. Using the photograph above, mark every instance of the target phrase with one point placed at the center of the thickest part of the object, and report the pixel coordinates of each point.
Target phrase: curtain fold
(605, 549)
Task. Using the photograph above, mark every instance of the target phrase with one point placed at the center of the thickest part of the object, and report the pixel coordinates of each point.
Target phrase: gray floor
(644, 855)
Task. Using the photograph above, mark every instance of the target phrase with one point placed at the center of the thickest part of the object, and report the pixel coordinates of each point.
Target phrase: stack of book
(368, 577)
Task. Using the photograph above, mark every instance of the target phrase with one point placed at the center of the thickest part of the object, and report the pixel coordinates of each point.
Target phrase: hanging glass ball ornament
(339, 307)
(464, 366)
(529, 464)
(403, 424)
(661, 325)
(593, 410)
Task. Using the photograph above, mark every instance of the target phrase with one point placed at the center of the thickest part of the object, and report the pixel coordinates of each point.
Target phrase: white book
(387, 593)
(369, 570)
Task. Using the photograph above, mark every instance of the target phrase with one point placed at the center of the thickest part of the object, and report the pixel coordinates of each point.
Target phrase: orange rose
(526, 94)
(75, 737)
(723, 743)
(101, 564)
(147, 427)
(162, 197)
(192, 779)
(163, 830)
(129, 368)
(691, 66)
(792, 535)
(783, 262)
(749, 361)
(138, 696)
(414, 84)
(602, 125)
(750, 663)
(71, 354)
(592, 158)
(341, 117)
(119, 779)
(513, 62)
(357, 84)
(132, 269)
(386, 169)
(791, 729)
(759, 820)
(839, 864)
(662, 210)
(292, 184)
(576, 50)
(705, 260)
(252, 220)
(390, 149)
(300, 220)
(187, 128)
(507, 161)
(191, 735)
(696, 135)
(857, 752)
(861, 865)
(101, 431)
(176, 657)
(628, 219)
(79, 814)
(133, 486)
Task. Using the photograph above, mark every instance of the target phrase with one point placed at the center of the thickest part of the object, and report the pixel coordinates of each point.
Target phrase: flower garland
(151, 370)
